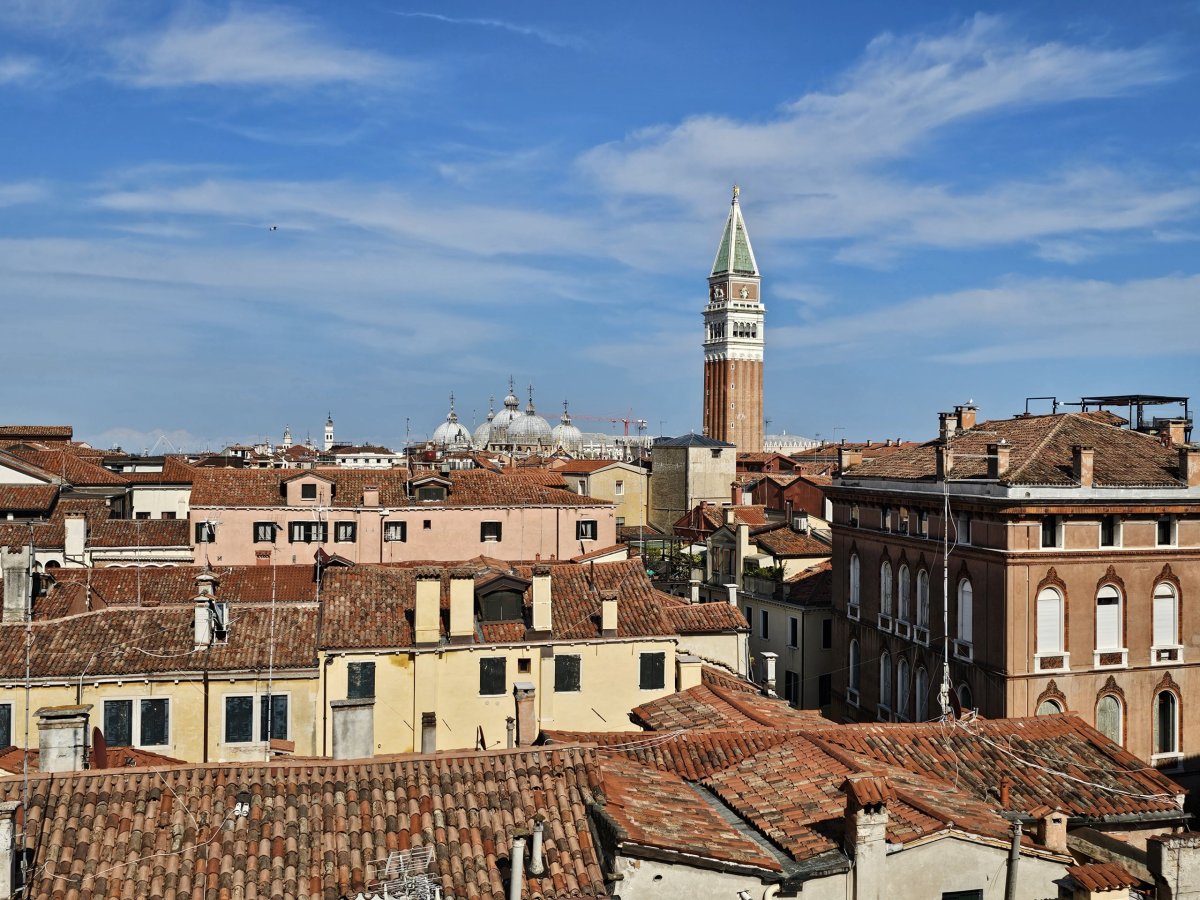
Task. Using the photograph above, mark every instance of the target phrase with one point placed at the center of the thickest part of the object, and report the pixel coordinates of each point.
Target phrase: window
(962, 534)
(239, 720)
(824, 689)
(493, 679)
(395, 531)
(620, 521)
(793, 631)
(902, 602)
(903, 523)
(585, 530)
(1110, 531)
(167, 515)
(826, 634)
(360, 680)
(502, 606)
(1049, 621)
(885, 588)
(307, 532)
(431, 494)
(854, 515)
(273, 709)
(6, 724)
(345, 532)
(750, 617)
(921, 695)
(1108, 718)
(264, 532)
(923, 523)
(1165, 613)
(652, 671)
(206, 532)
(966, 602)
(853, 667)
(764, 624)
(965, 696)
(1050, 531)
(1049, 707)
(1165, 532)
(791, 687)
(1108, 618)
(566, 673)
(902, 672)
(619, 489)
(427, 525)
(308, 492)
(963, 895)
(241, 727)
(885, 679)
(118, 722)
(855, 578)
(148, 719)
(1166, 719)
(922, 599)
(142, 515)
(885, 518)
(490, 531)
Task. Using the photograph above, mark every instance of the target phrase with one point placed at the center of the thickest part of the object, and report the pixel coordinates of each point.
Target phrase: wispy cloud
(17, 68)
(268, 48)
(553, 38)
(19, 192)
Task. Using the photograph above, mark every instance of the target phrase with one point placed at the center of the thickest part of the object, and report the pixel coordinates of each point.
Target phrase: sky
(220, 218)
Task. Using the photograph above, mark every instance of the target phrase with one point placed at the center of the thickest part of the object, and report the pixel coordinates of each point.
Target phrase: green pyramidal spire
(735, 256)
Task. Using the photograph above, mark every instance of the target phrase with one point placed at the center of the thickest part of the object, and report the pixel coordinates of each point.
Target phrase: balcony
(902, 628)
(884, 622)
(921, 635)
(852, 611)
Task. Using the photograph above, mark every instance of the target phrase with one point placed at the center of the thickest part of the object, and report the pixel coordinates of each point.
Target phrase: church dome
(566, 435)
(452, 433)
(483, 434)
(510, 413)
(530, 428)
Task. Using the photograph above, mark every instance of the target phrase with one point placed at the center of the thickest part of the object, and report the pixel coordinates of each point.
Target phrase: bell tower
(733, 340)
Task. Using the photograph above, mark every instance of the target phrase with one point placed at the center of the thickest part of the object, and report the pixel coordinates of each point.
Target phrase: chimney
(62, 738)
(688, 671)
(1189, 467)
(848, 459)
(207, 583)
(1082, 464)
(1005, 791)
(1174, 863)
(427, 611)
(370, 495)
(730, 515)
(945, 461)
(694, 586)
(535, 848)
(428, 732)
(18, 586)
(1175, 432)
(462, 604)
(947, 425)
(1051, 828)
(769, 659)
(965, 416)
(998, 459)
(203, 623)
(74, 539)
(516, 878)
(9, 884)
(510, 729)
(542, 614)
(608, 613)
(353, 728)
(527, 729)
(867, 797)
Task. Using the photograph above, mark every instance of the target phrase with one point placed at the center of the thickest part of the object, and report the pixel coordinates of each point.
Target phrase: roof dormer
(430, 488)
(308, 489)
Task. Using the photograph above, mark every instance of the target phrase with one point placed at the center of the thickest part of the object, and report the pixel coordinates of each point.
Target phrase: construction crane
(639, 424)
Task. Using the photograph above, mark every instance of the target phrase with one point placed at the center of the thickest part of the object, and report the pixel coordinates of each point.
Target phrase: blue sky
(947, 202)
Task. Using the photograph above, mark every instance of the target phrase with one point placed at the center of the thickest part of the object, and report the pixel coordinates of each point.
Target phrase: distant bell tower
(733, 340)
(328, 433)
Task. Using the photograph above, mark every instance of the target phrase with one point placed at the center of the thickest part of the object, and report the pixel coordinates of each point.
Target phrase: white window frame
(903, 594)
(1165, 654)
(853, 671)
(1107, 591)
(964, 645)
(1174, 526)
(962, 529)
(855, 599)
(255, 717)
(1169, 758)
(793, 632)
(619, 488)
(488, 539)
(921, 631)
(135, 719)
(885, 590)
(1117, 533)
(1043, 653)
(587, 529)
(402, 525)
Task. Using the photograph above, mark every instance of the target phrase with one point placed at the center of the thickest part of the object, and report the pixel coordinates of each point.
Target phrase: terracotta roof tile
(691, 755)
(34, 432)
(71, 466)
(711, 706)
(174, 471)
(27, 498)
(782, 542)
(141, 533)
(1102, 876)
(12, 759)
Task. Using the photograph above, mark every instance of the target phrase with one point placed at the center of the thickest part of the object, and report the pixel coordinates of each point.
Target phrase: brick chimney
(848, 459)
(353, 728)
(947, 425)
(62, 738)
(965, 416)
(527, 729)
(1051, 828)
(542, 612)
(462, 604)
(999, 456)
(865, 833)
(18, 586)
(1083, 460)
(608, 613)
(1189, 467)
(1175, 432)
(427, 611)
(945, 461)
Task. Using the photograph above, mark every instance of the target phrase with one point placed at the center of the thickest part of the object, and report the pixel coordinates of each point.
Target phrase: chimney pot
(965, 416)
(769, 661)
(945, 461)
(999, 459)
(947, 425)
(462, 603)
(694, 590)
(1051, 828)
(18, 586)
(1176, 429)
(848, 459)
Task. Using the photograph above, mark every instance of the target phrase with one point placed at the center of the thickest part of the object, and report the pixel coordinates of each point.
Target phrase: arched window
(965, 697)
(854, 667)
(885, 588)
(1049, 621)
(1166, 615)
(885, 679)
(1108, 618)
(1108, 717)
(965, 611)
(922, 599)
(1048, 708)
(902, 670)
(921, 695)
(855, 579)
(902, 595)
(1166, 723)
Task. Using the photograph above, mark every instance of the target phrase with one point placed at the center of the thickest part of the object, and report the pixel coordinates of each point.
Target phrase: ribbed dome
(511, 411)
(529, 428)
(452, 433)
(483, 434)
(566, 435)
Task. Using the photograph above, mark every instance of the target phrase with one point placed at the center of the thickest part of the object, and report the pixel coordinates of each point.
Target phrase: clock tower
(733, 340)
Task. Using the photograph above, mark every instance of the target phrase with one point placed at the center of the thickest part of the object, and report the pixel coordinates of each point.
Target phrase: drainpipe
(535, 849)
(1014, 857)
(517, 879)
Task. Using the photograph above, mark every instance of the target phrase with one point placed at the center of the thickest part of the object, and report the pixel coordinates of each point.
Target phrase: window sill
(902, 629)
(884, 622)
(883, 713)
(1058, 661)
(963, 650)
(1117, 658)
(921, 636)
(1166, 654)
(1167, 762)
(851, 697)
(852, 612)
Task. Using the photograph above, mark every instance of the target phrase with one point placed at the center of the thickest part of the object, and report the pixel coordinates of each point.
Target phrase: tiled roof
(12, 759)
(586, 466)
(983, 752)
(702, 618)
(690, 440)
(27, 498)
(315, 828)
(372, 606)
(784, 542)
(711, 675)
(151, 586)
(174, 471)
(49, 535)
(711, 706)
(692, 755)
(133, 641)
(72, 467)
(55, 432)
(141, 533)
(652, 808)
(1102, 876)
(812, 587)
(1041, 454)
(359, 450)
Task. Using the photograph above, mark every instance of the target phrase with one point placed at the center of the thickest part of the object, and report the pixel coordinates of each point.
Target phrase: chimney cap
(608, 595)
(541, 571)
(461, 572)
(428, 573)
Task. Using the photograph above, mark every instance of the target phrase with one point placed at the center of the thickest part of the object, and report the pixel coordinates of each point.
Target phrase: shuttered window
(966, 611)
(652, 673)
(1049, 621)
(6, 724)
(885, 679)
(1108, 618)
(885, 588)
(854, 579)
(922, 599)
(275, 711)
(1166, 615)
(492, 679)
(902, 600)
(1108, 717)
(360, 681)
(566, 673)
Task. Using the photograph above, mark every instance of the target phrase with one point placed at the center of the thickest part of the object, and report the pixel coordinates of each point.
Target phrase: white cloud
(553, 38)
(17, 68)
(19, 192)
(266, 48)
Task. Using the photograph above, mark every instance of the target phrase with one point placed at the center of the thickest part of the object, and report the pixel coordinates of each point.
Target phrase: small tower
(733, 340)
(287, 437)
(328, 433)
